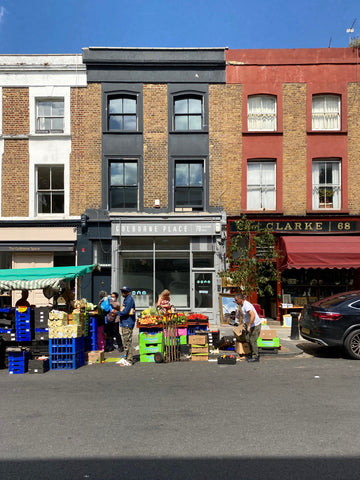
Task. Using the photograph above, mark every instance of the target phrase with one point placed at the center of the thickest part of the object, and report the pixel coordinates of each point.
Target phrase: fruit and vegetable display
(151, 316)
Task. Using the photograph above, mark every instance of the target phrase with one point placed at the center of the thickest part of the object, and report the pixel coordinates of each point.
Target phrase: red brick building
(298, 162)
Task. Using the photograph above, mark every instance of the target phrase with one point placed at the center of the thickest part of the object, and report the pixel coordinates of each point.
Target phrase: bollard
(294, 326)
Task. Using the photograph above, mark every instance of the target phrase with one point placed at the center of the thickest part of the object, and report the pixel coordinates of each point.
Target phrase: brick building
(160, 223)
(299, 167)
(43, 110)
(138, 159)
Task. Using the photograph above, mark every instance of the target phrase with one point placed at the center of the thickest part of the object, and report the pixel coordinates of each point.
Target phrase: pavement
(288, 346)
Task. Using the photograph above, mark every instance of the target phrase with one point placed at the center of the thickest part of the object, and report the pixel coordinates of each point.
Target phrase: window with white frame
(326, 112)
(262, 113)
(123, 182)
(261, 185)
(326, 183)
(50, 115)
(188, 112)
(122, 113)
(50, 189)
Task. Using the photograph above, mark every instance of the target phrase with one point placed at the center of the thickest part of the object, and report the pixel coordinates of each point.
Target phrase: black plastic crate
(226, 360)
(38, 365)
(41, 317)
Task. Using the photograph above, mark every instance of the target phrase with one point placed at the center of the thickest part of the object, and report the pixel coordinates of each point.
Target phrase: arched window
(122, 113)
(188, 113)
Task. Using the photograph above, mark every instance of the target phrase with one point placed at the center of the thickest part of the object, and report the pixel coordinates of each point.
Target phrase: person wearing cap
(127, 323)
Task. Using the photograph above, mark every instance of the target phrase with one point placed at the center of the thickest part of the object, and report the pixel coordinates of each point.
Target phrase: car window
(355, 304)
(338, 300)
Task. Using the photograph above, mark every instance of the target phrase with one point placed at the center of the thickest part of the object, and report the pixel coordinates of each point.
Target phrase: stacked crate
(7, 324)
(18, 358)
(66, 353)
(91, 340)
(181, 335)
(150, 342)
(199, 347)
(41, 323)
(59, 326)
(23, 324)
(39, 365)
(66, 342)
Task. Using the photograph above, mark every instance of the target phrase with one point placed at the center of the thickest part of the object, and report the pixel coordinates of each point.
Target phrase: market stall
(61, 332)
(167, 337)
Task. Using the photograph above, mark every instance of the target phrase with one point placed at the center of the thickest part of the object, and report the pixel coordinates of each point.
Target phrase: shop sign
(164, 228)
(307, 226)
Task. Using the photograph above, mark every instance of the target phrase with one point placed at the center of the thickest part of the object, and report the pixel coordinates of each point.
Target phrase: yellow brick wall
(15, 161)
(294, 149)
(354, 147)
(155, 145)
(85, 158)
(15, 179)
(225, 147)
(15, 106)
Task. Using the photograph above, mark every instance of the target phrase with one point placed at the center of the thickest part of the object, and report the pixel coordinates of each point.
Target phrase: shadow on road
(322, 352)
(182, 469)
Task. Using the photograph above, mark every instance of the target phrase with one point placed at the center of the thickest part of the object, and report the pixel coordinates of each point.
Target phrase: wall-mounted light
(83, 220)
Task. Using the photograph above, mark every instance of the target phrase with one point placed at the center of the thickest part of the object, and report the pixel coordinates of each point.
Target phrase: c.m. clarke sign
(306, 226)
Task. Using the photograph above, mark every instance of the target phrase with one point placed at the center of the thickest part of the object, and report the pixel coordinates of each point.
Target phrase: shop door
(202, 288)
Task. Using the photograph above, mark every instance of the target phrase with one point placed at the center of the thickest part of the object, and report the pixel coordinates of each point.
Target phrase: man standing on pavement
(252, 324)
(127, 323)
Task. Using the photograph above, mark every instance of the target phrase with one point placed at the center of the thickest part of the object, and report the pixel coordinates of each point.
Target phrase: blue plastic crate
(67, 361)
(66, 345)
(191, 329)
(41, 330)
(93, 323)
(90, 345)
(18, 361)
(22, 315)
(18, 368)
(23, 337)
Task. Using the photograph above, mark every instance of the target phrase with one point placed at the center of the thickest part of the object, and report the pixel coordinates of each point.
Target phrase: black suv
(334, 321)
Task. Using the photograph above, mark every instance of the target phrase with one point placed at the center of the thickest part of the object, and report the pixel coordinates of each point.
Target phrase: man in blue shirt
(127, 323)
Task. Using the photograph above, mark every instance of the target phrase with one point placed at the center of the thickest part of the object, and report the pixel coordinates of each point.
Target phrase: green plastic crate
(150, 348)
(147, 358)
(147, 338)
(273, 343)
(183, 340)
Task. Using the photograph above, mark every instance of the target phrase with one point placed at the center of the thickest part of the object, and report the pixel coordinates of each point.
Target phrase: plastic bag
(105, 305)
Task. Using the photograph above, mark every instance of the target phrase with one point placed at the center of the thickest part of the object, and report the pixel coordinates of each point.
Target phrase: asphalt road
(290, 417)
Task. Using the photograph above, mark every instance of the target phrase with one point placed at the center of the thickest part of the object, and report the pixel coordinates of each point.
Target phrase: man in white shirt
(252, 323)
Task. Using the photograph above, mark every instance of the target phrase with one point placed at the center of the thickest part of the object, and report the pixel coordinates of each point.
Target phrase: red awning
(312, 251)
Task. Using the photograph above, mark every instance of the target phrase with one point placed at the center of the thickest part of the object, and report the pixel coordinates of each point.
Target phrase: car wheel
(352, 344)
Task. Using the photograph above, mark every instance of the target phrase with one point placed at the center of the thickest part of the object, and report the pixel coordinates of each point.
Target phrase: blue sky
(66, 26)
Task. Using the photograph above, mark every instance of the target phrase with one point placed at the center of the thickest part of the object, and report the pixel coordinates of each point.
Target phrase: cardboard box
(242, 348)
(96, 356)
(268, 334)
(198, 339)
(199, 349)
(200, 357)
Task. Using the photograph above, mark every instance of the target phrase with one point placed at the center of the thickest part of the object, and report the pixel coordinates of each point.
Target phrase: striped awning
(33, 278)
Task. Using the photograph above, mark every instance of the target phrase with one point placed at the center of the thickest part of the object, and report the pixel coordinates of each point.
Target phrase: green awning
(32, 278)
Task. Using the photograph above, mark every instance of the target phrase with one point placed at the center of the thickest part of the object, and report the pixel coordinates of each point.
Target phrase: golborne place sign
(306, 226)
(165, 228)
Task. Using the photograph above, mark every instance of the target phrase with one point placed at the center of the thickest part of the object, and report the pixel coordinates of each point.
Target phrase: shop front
(181, 255)
(317, 258)
(35, 247)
